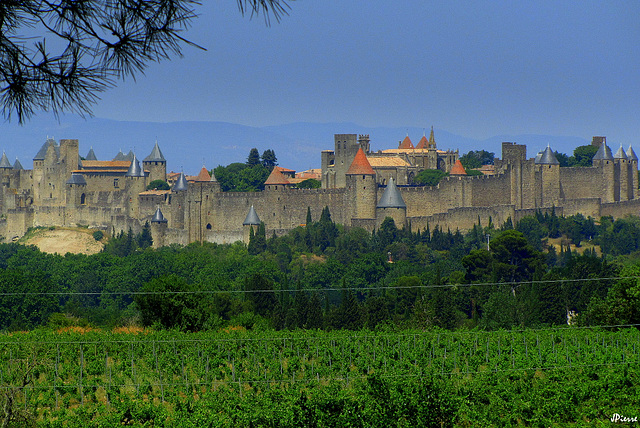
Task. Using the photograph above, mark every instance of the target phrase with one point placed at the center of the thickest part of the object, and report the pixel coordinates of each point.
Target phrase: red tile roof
(458, 169)
(203, 176)
(277, 177)
(360, 165)
(406, 143)
(423, 143)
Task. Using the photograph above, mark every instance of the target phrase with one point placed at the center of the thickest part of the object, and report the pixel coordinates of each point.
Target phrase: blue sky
(476, 69)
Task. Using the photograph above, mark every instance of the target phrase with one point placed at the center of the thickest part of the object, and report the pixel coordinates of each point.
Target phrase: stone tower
(633, 173)
(392, 205)
(549, 168)
(621, 189)
(604, 160)
(156, 164)
(159, 226)
(251, 221)
(361, 188)
(179, 202)
(135, 183)
(346, 147)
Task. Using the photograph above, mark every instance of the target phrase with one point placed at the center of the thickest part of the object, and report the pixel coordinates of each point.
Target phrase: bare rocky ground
(63, 240)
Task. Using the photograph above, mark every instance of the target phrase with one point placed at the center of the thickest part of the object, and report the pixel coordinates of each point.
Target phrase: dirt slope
(63, 240)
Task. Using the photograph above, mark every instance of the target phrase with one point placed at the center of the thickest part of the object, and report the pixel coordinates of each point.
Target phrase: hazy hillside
(189, 145)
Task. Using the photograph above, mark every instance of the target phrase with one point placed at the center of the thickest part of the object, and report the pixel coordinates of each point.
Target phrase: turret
(621, 174)
(159, 226)
(603, 159)
(633, 173)
(135, 184)
(251, 221)
(76, 188)
(361, 194)
(5, 169)
(156, 164)
(179, 202)
(549, 168)
(392, 205)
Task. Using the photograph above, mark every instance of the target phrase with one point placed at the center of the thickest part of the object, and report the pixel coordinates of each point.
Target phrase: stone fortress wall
(360, 188)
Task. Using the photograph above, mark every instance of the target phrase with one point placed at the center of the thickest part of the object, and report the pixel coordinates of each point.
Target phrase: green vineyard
(57, 375)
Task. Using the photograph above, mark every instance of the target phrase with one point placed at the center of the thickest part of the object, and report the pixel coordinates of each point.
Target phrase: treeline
(322, 275)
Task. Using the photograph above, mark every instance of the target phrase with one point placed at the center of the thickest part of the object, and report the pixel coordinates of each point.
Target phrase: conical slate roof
(17, 165)
(251, 218)
(391, 198)
(360, 165)
(406, 143)
(76, 179)
(603, 153)
(134, 169)
(158, 217)
(91, 156)
(120, 156)
(631, 155)
(129, 156)
(548, 157)
(538, 157)
(458, 169)
(181, 183)
(4, 161)
(43, 150)
(155, 155)
(620, 154)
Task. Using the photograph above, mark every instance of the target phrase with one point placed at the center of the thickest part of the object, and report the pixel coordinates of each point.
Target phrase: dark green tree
(269, 159)
(144, 239)
(253, 158)
(257, 241)
(309, 183)
(583, 155)
(514, 258)
(429, 177)
(158, 185)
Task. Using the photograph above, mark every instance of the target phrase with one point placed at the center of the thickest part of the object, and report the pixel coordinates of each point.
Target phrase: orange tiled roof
(406, 143)
(411, 151)
(284, 169)
(457, 169)
(101, 171)
(155, 192)
(383, 161)
(360, 164)
(423, 143)
(277, 177)
(89, 164)
(310, 173)
(203, 175)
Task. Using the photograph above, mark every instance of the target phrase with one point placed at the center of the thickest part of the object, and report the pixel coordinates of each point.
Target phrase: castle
(360, 187)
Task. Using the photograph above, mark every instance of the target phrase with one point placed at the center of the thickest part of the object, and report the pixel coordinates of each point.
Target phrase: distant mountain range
(188, 146)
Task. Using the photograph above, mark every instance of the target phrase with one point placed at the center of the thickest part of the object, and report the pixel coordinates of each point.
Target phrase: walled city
(360, 187)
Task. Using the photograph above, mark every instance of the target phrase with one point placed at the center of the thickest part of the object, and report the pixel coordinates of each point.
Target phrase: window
(115, 183)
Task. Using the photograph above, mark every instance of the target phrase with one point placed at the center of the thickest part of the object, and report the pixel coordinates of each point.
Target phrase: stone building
(360, 188)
